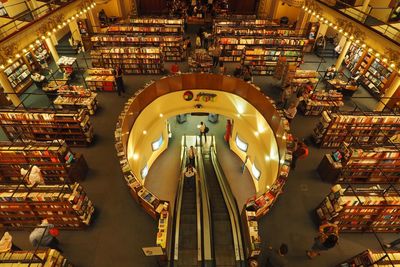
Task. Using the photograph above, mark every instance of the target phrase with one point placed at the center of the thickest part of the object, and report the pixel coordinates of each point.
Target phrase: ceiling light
(2, 67)
(363, 45)
(370, 50)
(317, 16)
(335, 27)
(331, 24)
(392, 65)
(18, 55)
(144, 132)
(31, 46)
(377, 55)
(9, 60)
(161, 115)
(37, 41)
(135, 156)
(357, 41)
(24, 50)
(48, 33)
(385, 60)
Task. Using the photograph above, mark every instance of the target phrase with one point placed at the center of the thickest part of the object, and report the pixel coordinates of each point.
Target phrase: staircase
(328, 52)
(65, 50)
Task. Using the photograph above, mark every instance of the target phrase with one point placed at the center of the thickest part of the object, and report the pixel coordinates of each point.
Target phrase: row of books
(38, 258)
(262, 41)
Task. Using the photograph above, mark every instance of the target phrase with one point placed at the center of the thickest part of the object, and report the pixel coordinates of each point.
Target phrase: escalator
(226, 234)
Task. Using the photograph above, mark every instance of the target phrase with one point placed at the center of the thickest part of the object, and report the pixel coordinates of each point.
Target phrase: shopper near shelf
(6, 243)
(300, 151)
(42, 58)
(247, 74)
(32, 176)
(188, 46)
(203, 131)
(119, 80)
(222, 68)
(198, 41)
(291, 111)
(190, 176)
(79, 47)
(192, 155)
(354, 79)
(338, 49)
(44, 236)
(276, 258)
(327, 239)
(175, 68)
(330, 73)
(39, 80)
(206, 39)
(103, 18)
(285, 96)
(216, 53)
(238, 71)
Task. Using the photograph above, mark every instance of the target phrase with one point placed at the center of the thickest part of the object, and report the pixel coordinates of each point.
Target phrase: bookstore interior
(258, 87)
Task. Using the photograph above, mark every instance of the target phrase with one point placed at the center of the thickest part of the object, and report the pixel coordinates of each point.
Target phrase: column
(322, 29)
(264, 9)
(302, 21)
(392, 91)
(273, 8)
(340, 59)
(53, 50)
(94, 21)
(364, 7)
(76, 34)
(7, 88)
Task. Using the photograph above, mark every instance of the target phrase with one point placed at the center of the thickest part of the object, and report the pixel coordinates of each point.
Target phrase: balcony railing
(24, 20)
(371, 18)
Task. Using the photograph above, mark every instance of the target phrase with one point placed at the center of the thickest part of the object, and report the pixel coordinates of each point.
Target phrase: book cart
(47, 125)
(66, 206)
(75, 97)
(58, 164)
(34, 258)
(362, 209)
(337, 127)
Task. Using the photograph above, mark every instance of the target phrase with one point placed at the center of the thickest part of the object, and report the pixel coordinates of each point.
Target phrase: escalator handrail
(230, 204)
(178, 201)
(206, 211)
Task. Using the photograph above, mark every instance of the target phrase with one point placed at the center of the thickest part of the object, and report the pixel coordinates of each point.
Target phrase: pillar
(274, 8)
(393, 91)
(94, 21)
(73, 27)
(264, 8)
(302, 21)
(322, 29)
(340, 59)
(364, 7)
(53, 50)
(8, 89)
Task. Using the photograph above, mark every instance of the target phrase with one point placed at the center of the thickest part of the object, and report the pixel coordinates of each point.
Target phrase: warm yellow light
(377, 55)
(72, 18)
(331, 24)
(306, 9)
(370, 50)
(18, 55)
(2, 67)
(351, 37)
(94, 4)
(37, 41)
(24, 50)
(135, 156)
(385, 60)
(313, 13)
(392, 65)
(31, 46)
(49, 33)
(81, 12)
(326, 21)
(341, 30)
(161, 115)
(267, 158)
(317, 16)
(43, 37)
(9, 60)
(64, 23)
(77, 15)
(144, 132)
(68, 20)
(309, 11)
(357, 41)
(363, 45)
(335, 27)
(54, 30)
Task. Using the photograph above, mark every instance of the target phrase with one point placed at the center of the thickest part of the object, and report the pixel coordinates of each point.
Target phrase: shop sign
(201, 97)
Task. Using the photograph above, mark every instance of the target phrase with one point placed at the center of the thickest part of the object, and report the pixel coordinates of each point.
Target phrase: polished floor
(121, 228)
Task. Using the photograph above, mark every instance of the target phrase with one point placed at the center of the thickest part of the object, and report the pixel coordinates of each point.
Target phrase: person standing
(192, 155)
(286, 94)
(6, 243)
(222, 69)
(198, 41)
(327, 239)
(203, 131)
(300, 152)
(291, 112)
(216, 53)
(190, 174)
(42, 236)
(118, 80)
(276, 258)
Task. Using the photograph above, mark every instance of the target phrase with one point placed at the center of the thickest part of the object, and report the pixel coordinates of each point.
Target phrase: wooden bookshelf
(363, 128)
(362, 210)
(369, 164)
(34, 258)
(321, 101)
(47, 125)
(18, 74)
(101, 79)
(30, 56)
(76, 97)
(251, 234)
(64, 206)
(58, 164)
(373, 258)
(303, 77)
(133, 60)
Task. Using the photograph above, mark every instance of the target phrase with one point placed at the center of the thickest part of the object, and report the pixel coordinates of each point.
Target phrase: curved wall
(233, 89)
(249, 125)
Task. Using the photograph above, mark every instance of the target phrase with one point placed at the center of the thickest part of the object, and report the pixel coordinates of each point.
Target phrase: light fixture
(81, 13)
(54, 30)
(331, 24)
(17, 55)
(94, 4)
(309, 11)
(370, 50)
(64, 23)
(2, 67)
(377, 55)
(341, 30)
(38, 41)
(351, 37)
(238, 115)
(267, 158)
(306, 9)
(49, 33)
(346, 33)
(43, 37)
(72, 18)
(335, 27)
(363, 45)
(256, 133)
(316, 16)
(357, 41)
(136, 156)
(77, 15)
(326, 21)
(161, 115)
(313, 13)
(392, 65)
(68, 20)
(24, 50)
(31, 46)
(144, 132)
(384, 60)
(9, 60)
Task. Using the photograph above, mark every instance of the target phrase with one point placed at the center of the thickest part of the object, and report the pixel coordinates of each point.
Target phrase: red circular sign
(188, 95)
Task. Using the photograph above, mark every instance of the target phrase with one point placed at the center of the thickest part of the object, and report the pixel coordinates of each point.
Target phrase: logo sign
(201, 97)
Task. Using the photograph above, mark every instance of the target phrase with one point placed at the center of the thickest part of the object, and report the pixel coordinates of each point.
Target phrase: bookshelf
(35, 49)
(58, 164)
(362, 210)
(320, 101)
(302, 77)
(65, 206)
(373, 258)
(37, 258)
(47, 125)
(76, 97)
(251, 234)
(18, 74)
(101, 79)
(361, 127)
(368, 164)
(133, 60)
(354, 55)
(171, 46)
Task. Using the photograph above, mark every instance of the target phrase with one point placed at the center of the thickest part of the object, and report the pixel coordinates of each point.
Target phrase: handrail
(198, 209)
(230, 204)
(178, 200)
(394, 32)
(206, 210)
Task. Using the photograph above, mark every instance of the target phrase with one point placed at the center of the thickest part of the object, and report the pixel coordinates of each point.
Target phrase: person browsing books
(44, 236)
(118, 80)
(192, 155)
(276, 258)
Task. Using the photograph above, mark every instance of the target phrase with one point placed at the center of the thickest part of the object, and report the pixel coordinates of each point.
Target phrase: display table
(101, 79)
(328, 169)
(343, 86)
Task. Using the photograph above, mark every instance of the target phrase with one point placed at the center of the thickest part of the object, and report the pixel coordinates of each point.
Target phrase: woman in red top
(175, 68)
